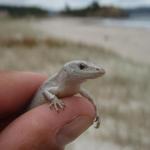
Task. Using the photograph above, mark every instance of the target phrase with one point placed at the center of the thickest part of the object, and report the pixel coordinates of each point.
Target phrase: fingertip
(49, 128)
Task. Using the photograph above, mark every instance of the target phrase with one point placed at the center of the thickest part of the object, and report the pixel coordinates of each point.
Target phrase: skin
(39, 128)
(67, 82)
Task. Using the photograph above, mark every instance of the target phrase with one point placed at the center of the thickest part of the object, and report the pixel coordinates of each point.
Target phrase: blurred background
(42, 35)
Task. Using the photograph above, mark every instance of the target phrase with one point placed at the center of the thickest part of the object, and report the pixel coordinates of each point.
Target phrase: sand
(122, 95)
(133, 43)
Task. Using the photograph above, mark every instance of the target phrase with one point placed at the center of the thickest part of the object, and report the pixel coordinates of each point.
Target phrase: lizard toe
(97, 122)
(56, 107)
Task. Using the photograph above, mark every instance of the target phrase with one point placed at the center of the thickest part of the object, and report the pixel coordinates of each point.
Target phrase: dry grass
(123, 94)
(28, 42)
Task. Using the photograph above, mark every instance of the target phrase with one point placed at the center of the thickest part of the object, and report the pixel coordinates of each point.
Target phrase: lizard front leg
(84, 93)
(50, 95)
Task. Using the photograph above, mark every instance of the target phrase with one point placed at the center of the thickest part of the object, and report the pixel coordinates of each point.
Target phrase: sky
(60, 4)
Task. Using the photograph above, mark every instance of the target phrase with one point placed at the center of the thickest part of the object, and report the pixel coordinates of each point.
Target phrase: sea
(134, 21)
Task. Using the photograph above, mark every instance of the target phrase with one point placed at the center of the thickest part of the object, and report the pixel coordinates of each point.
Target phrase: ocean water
(135, 22)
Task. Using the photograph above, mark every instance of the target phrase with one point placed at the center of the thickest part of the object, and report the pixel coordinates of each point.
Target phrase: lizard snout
(102, 71)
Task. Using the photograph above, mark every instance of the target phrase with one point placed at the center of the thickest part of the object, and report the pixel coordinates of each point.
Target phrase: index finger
(16, 90)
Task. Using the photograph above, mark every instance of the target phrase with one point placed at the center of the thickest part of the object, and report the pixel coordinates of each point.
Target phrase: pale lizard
(67, 83)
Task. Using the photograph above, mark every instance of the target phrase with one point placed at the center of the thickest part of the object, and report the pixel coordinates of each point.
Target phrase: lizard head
(83, 70)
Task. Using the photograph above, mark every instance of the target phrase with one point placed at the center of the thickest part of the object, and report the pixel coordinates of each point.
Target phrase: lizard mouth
(95, 74)
(88, 74)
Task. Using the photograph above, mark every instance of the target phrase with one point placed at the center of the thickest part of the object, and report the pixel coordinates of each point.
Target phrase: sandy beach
(131, 42)
(122, 95)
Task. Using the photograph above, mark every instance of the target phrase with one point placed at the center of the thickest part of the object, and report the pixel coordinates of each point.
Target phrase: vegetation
(30, 41)
(94, 9)
(20, 11)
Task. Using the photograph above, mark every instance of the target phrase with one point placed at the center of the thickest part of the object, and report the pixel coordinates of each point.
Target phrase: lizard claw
(57, 104)
(97, 122)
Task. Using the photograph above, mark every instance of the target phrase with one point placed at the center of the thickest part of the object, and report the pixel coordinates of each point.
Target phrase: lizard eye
(82, 66)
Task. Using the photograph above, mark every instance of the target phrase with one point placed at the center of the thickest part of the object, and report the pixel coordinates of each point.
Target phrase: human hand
(39, 128)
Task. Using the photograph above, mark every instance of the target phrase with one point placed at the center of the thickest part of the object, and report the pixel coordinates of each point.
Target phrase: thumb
(42, 128)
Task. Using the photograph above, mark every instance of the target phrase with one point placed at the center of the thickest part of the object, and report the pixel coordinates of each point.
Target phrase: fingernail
(73, 129)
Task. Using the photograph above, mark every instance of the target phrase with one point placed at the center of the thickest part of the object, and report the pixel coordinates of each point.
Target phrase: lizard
(66, 82)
